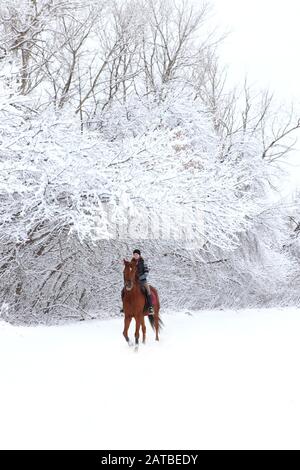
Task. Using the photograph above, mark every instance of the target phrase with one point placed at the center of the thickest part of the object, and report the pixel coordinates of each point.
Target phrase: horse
(134, 305)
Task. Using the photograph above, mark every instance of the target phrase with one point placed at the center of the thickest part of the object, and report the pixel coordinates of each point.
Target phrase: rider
(143, 270)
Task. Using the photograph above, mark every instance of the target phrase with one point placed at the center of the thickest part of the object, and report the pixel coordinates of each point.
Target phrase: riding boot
(150, 306)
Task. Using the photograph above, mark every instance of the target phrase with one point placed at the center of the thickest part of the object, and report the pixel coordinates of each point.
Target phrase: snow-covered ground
(217, 379)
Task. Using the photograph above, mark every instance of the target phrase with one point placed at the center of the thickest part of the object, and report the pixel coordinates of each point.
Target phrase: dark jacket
(142, 269)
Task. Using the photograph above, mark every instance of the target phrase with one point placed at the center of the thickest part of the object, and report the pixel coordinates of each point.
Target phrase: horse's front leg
(137, 331)
(127, 321)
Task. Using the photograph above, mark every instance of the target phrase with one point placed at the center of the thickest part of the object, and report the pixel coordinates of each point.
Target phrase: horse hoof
(136, 348)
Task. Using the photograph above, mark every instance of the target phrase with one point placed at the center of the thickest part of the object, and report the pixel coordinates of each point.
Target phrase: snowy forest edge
(118, 130)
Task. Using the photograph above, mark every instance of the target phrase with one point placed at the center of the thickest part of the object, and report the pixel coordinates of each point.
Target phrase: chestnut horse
(134, 305)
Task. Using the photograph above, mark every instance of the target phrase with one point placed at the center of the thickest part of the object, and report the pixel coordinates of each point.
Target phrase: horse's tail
(152, 317)
(152, 322)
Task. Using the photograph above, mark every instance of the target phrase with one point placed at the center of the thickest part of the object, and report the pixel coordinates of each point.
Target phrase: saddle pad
(153, 298)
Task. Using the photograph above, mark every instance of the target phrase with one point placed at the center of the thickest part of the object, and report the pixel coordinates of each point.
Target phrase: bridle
(128, 284)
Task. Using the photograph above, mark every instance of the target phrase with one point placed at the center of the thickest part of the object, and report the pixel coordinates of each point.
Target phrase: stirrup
(151, 310)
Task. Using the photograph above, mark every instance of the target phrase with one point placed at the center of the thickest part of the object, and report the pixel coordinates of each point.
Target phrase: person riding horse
(133, 299)
(143, 270)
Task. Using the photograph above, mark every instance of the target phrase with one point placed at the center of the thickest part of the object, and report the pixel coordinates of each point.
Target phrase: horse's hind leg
(127, 321)
(156, 324)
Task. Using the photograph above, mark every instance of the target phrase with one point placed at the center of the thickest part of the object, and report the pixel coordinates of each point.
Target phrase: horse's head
(129, 273)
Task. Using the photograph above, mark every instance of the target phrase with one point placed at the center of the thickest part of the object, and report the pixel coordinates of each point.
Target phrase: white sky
(264, 43)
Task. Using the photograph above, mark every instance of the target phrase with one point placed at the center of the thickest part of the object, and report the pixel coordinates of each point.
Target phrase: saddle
(153, 297)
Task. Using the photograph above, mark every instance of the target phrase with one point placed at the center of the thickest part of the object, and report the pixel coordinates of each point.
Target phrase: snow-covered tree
(116, 128)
